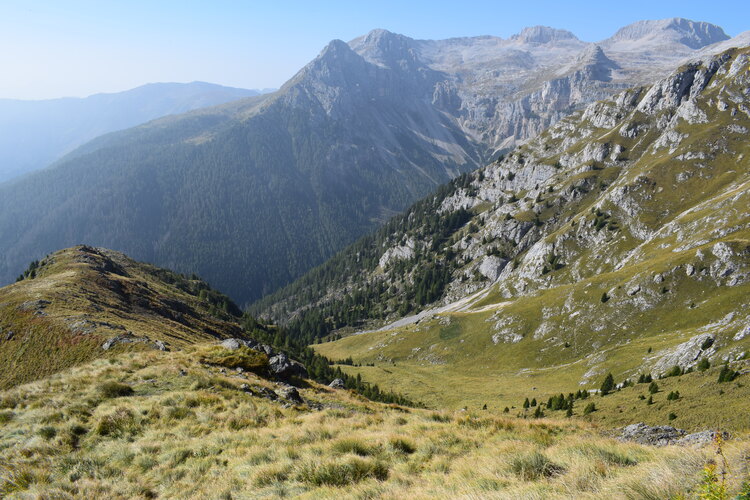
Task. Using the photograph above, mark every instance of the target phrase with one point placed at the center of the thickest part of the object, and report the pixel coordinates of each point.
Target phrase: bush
(341, 473)
(535, 465)
(675, 371)
(704, 365)
(727, 374)
(590, 408)
(671, 416)
(6, 416)
(673, 396)
(653, 388)
(115, 390)
(243, 357)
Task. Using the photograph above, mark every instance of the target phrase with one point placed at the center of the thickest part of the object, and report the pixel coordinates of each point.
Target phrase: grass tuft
(533, 466)
(341, 473)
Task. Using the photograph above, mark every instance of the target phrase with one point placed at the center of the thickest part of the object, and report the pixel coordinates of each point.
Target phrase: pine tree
(608, 385)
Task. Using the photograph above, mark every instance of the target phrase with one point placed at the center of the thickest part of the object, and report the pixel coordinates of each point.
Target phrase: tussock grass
(115, 390)
(173, 440)
(341, 473)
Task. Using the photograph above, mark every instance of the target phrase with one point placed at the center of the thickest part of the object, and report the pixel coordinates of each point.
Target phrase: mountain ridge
(620, 229)
(344, 145)
(35, 133)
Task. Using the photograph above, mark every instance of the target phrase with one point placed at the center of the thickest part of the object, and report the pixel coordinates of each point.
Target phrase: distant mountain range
(252, 194)
(33, 134)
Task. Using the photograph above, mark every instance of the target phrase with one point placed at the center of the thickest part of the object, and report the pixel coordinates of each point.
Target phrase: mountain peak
(693, 34)
(385, 48)
(543, 34)
(594, 55)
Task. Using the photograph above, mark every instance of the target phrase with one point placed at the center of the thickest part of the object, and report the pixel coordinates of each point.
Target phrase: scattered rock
(127, 338)
(245, 388)
(337, 384)
(160, 346)
(663, 435)
(268, 393)
(634, 290)
(660, 435)
(232, 344)
(9, 335)
(290, 394)
(34, 305)
(701, 438)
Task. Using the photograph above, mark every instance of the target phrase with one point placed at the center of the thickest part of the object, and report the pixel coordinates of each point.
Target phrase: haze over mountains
(252, 194)
(33, 134)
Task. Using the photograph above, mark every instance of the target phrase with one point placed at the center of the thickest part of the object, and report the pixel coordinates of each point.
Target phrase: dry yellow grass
(191, 431)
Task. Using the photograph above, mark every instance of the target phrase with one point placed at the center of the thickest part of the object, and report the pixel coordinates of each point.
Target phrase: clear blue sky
(59, 48)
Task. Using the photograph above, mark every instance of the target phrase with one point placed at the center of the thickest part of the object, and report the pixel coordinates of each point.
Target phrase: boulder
(160, 346)
(701, 438)
(660, 435)
(127, 338)
(337, 384)
(663, 435)
(232, 344)
(268, 393)
(290, 394)
(283, 367)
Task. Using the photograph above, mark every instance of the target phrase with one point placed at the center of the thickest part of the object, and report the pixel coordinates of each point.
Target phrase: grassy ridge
(68, 305)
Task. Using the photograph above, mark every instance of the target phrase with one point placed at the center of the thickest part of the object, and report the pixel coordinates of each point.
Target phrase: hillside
(617, 241)
(253, 194)
(169, 425)
(33, 134)
(83, 303)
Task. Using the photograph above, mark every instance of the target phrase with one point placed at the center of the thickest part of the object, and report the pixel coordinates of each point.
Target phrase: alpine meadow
(502, 267)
